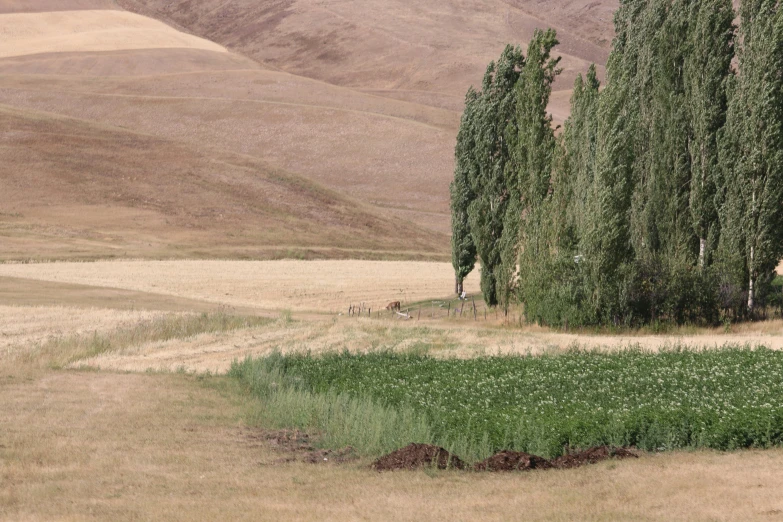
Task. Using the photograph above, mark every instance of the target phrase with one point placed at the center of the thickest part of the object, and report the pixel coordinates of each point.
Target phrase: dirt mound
(519, 461)
(591, 456)
(415, 456)
(512, 461)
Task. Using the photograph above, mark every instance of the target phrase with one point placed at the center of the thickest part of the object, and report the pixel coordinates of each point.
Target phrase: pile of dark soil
(591, 456)
(415, 456)
(512, 461)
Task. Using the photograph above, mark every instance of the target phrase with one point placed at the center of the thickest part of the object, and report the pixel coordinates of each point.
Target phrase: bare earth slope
(194, 108)
(429, 52)
(77, 189)
(362, 98)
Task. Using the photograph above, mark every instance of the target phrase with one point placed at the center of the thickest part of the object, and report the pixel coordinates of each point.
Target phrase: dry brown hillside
(357, 100)
(428, 52)
(72, 188)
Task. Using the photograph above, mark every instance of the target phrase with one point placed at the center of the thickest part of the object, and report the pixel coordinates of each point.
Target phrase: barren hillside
(428, 52)
(358, 102)
(78, 189)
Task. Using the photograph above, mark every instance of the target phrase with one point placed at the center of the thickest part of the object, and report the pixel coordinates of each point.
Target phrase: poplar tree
(495, 109)
(579, 142)
(753, 154)
(463, 250)
(707, 69)
(529, 173)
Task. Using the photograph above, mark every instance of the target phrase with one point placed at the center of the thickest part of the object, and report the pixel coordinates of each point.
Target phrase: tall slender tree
(707, 69)
(753, 154)
(529, 173)
(463, 250)
(494, 113)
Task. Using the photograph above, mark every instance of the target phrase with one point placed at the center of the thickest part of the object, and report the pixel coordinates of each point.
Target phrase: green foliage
(488, 123)
(706, 74)
(661, 200)
(342, 419)
(723, 399)
(752, 188)
(463, 250)
(528, 228)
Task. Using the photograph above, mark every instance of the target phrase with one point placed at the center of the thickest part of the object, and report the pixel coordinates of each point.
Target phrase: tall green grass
(341, 419)
(723, 399)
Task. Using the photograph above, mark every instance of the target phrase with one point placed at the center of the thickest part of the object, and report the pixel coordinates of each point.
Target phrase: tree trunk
(458, 286)
(702, 249)
(750, 284)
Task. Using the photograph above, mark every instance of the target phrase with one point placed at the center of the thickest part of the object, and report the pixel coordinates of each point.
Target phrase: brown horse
(393, 306)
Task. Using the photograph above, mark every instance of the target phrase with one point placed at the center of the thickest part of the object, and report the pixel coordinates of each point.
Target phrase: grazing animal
(394, 305)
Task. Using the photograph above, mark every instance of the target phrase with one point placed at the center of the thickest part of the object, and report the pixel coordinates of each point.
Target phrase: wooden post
(419, 316)
(474, 308)
(432, 309)
(448, 312)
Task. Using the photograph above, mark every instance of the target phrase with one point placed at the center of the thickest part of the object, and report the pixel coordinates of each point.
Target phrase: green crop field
(723, 399)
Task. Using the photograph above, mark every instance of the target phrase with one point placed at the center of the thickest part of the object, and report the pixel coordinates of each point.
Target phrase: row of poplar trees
(662, 197)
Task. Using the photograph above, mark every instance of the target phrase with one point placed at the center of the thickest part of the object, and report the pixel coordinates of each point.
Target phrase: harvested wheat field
(89, 31)
(460, 338)
(22, 328)
(319, 286)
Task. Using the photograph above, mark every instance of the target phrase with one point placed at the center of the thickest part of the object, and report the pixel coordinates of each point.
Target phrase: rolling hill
(246, 129)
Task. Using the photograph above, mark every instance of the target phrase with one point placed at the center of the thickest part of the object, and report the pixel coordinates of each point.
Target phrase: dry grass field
(100, 445)
(90, 31)
(318, 286)
(103, 446)
(318, 293)
(428, 53)
(75, 189)
(214, 352)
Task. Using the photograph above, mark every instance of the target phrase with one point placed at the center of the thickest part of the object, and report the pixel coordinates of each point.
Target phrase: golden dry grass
(101, 446)
(457, 338)
(90, 30)
(321, 286)
(23, 329)
(37, 6)
(317, 292)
